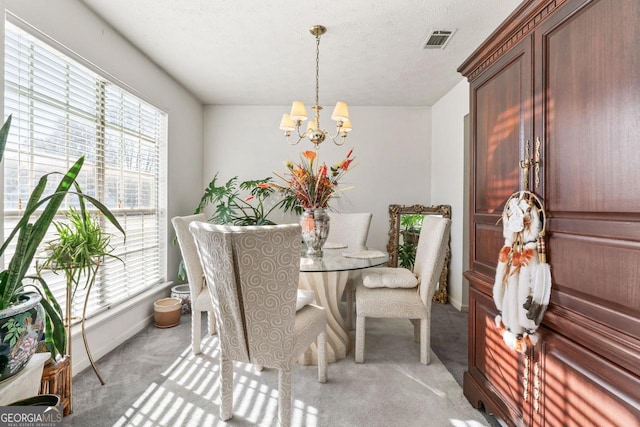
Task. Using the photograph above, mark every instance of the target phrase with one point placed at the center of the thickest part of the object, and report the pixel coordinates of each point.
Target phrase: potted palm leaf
(22, 321)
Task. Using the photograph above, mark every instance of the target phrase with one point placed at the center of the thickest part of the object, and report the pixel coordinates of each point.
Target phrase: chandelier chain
(317, 72)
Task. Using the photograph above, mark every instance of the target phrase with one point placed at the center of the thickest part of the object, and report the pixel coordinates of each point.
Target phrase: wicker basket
(56, 379)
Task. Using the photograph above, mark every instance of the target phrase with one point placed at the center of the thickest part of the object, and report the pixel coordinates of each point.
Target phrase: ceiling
(230, 52)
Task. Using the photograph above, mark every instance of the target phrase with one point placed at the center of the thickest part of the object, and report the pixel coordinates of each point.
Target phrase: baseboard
(113, 327)
(458, 305)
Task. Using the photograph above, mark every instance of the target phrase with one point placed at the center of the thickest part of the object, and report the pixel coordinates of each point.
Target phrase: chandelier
(298, 114)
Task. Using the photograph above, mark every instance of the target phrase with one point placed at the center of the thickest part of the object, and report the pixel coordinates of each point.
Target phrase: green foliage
(411, 224)
(78, 250)
(30, 232)
(231, 208)
(15, 328)
(407, 255)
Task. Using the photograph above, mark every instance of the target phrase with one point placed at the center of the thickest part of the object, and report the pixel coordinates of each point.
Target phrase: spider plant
(79, 248)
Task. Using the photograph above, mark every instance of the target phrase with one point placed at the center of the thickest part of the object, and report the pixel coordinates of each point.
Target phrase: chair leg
(259, 368)
(322, 357)
(284, 398)
(425, 338)
(359, 353)
(212, 322)
(195, 331)
(226, 388)
(416, 329)
(350, 291)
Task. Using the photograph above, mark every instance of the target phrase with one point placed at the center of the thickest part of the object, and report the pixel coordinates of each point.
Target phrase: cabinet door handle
(537, 162)
(525, 164)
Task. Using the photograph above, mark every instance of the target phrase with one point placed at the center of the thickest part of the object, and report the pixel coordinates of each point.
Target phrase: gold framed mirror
(405, 225)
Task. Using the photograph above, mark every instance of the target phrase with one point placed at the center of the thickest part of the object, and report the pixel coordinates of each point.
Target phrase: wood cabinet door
(498, 378)
(588, 97)
(501, 119)
(578, 388)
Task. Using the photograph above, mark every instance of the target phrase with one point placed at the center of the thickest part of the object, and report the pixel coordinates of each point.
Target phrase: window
(63, 110)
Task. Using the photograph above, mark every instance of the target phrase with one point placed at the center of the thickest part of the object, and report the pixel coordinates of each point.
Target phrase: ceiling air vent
(438, 39)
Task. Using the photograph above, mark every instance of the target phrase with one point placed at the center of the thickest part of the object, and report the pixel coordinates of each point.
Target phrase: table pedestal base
(328, 287)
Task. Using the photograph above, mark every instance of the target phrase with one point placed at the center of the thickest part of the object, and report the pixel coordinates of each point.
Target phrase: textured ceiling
(230, 52)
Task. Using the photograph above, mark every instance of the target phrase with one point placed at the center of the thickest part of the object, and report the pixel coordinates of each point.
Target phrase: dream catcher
(523, 277)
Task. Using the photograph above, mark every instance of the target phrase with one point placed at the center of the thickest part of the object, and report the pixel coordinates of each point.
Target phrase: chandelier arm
(333, 138)
(294, 143)
(303, 134)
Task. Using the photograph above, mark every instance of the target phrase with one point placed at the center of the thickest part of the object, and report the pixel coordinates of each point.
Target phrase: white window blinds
(63, 110)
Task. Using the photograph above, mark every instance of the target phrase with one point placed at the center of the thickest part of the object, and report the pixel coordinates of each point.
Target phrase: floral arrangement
(313, 184)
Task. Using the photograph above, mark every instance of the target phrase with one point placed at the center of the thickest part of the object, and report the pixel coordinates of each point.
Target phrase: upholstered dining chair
(255, 271)
(200, 298)
(399, 293)
(352, 230)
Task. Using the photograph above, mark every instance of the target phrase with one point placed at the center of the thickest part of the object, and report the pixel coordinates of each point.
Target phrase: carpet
(390, 389)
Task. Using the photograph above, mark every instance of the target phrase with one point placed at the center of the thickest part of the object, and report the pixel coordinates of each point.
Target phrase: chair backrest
(255, 270)
(349, 228)
(190, 257)
(430, 254)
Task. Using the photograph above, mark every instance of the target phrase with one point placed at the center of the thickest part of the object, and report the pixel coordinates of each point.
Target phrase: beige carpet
(390, 389)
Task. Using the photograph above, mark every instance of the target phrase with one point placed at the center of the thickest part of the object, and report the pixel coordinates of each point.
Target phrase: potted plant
(78, 251)
(19, 300)
(230, 207)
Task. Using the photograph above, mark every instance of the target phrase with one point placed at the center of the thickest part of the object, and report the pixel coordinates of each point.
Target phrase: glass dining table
(327, 277)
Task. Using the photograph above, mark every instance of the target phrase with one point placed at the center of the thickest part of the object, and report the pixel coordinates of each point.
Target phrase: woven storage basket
(56, 379)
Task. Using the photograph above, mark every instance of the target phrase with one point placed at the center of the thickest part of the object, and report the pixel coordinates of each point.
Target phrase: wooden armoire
(555, 109)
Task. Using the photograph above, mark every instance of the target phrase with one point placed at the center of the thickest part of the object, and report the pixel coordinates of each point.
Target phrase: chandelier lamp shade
(293, 121)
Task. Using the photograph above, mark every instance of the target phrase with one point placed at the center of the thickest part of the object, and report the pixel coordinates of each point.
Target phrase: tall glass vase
(315, 229)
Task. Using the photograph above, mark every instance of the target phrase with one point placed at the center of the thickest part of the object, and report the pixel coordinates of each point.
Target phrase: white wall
(391, 146)
(72, 24)
(447, 178)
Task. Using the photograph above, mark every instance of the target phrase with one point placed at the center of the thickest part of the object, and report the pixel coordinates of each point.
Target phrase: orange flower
(264, 185)
(346, 163)
(309, 155)
(248, 198)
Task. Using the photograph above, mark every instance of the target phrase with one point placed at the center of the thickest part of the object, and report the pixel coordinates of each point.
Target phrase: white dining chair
(389, 292)
(351, 230)
(200, 298)
(255, 270)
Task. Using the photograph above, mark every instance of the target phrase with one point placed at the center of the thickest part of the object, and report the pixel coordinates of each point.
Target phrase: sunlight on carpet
(196, 378)
(391, 388)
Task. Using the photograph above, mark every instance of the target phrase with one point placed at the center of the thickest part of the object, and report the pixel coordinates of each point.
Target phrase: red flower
(346, 163)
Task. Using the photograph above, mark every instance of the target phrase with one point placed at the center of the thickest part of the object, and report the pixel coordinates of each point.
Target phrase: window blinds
(63, 110)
